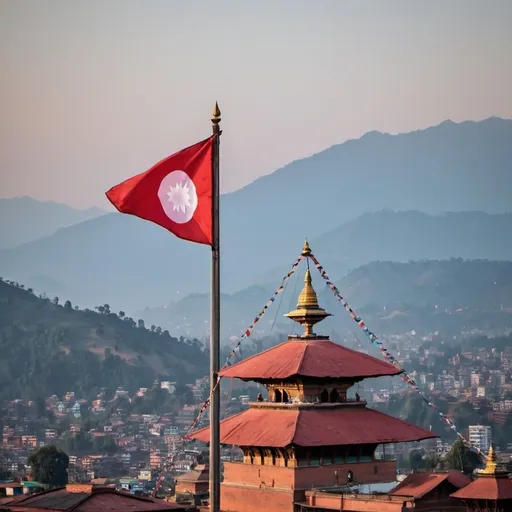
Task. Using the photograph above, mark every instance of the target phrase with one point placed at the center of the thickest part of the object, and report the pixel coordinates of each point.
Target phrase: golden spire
(308, 312)
(307, 298)
(491, 464)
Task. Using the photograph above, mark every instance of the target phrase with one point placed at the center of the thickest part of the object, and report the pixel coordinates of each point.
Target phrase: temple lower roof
(278, 428)
(486, 488)
(309, 358)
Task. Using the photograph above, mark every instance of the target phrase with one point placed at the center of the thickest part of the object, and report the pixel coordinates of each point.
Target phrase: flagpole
(215, 323)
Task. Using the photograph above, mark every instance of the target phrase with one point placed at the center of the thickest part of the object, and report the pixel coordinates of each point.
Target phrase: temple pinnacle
(308, 312)
(306, 251)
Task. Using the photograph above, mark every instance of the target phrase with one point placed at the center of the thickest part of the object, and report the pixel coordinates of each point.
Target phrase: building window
(324, 396)
(334, 396)
(285, 397)
(278, 399)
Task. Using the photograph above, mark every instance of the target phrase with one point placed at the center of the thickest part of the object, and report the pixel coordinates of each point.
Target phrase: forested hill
(48, 348)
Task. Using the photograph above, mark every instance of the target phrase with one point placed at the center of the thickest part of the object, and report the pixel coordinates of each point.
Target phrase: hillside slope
(50, 349)
(23, 219)
(463, 166)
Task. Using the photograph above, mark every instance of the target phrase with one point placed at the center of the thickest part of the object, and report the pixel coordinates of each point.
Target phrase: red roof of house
(99, 500)
(486, 488)
(309, 358)
(417, 485)
(280, 427)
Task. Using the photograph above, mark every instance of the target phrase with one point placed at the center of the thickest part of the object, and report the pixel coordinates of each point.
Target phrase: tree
(461, 458)
(140, 323)
(68, 304)
(56, 301)
(49, 466)
(122, 314)
(416, 460)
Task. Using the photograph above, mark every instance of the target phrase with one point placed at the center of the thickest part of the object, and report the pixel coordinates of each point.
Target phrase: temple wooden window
(315, 456)
(324, 396)
(334, 397)
(286, 399)
(352, 455)
(327, 455)
(278, 397)
(365, 455)
(339, 455)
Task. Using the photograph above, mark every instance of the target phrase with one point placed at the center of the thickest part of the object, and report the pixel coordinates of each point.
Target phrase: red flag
(176, 193)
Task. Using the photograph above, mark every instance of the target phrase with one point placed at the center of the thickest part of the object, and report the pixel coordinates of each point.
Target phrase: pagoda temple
(308, 433)
(490, 491)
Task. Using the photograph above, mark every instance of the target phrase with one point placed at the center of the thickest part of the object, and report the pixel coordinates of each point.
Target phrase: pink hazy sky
(93, 92)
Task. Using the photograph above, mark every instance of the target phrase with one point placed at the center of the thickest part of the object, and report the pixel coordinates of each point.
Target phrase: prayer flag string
(389, 357)
(245, 335)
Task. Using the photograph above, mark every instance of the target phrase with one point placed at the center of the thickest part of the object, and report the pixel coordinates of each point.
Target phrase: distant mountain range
(50, 348)
(450, 295)
(23, 219)
(451, 167)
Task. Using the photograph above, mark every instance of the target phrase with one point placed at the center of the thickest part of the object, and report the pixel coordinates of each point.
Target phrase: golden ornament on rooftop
(308, 312)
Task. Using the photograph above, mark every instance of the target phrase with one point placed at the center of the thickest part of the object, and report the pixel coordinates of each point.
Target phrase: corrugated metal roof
(58, 499)
(99, 500)
(419, 484)
(311, 427)
(309, 358)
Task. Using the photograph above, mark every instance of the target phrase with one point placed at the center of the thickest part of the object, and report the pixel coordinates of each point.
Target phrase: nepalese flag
(176, 193)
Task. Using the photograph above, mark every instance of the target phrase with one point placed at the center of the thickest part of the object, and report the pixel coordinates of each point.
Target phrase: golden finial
(307, 298)
(306, 251)
(308, 312)
(491, 464)
(216, 114)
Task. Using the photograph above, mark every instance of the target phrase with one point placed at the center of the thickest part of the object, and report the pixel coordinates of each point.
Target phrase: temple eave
(279, 428)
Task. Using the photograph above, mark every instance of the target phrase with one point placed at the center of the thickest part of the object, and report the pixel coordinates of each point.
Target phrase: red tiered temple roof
(280, 427)
(493, 483)
(485, 488)
(309, 358)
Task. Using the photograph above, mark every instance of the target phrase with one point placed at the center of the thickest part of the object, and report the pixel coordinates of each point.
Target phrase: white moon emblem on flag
(178, 196)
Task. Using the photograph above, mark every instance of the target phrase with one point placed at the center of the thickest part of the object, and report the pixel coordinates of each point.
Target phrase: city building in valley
(480, 436)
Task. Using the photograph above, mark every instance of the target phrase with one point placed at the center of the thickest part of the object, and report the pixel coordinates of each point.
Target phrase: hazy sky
(92, 92)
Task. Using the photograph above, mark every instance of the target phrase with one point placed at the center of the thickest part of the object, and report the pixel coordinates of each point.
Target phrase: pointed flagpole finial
(216, 118)
(306, 251)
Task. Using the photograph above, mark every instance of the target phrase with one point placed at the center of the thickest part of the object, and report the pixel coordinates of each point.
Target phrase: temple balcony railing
(308, 405)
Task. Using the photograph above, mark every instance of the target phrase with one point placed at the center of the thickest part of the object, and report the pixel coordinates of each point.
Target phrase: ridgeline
(48, 348)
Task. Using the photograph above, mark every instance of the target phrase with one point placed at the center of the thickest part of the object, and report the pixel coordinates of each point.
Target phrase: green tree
(461, 458)
(49, 466)
(416, 460)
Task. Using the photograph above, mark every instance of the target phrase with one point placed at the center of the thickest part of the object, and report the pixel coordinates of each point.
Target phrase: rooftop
(492, 483)
(309, 358)
(280, 427)
(86, 498)
(418, 485)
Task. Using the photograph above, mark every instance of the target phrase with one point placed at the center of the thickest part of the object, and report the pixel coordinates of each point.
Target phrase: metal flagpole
(215, 324)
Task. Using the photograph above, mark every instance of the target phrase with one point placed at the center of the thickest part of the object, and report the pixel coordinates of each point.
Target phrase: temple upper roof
(309, 358)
